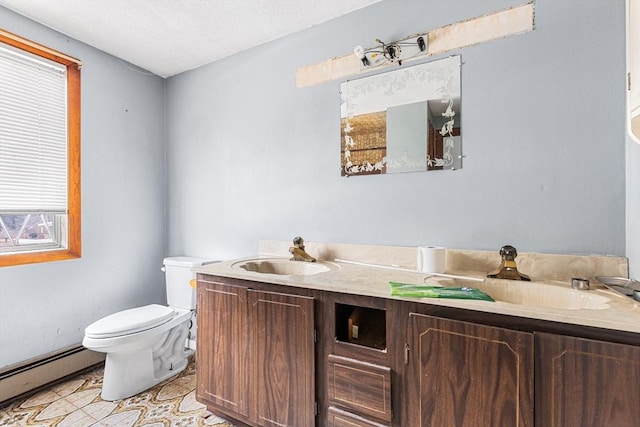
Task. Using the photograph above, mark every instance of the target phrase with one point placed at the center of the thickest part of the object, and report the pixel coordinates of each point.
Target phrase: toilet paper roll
(430, 259)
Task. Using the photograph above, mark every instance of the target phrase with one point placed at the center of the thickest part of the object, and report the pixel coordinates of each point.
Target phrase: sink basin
(546, 296)
(283, 266)
(540, 295)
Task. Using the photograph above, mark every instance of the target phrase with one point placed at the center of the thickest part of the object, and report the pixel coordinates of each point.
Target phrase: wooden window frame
(74, 223)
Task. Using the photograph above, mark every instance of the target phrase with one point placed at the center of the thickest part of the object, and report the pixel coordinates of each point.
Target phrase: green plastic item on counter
(426, 291)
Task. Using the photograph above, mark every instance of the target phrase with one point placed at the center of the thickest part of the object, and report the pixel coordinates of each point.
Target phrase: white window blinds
(33, 134)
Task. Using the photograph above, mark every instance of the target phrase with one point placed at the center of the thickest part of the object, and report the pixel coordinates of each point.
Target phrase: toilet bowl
(146, 345)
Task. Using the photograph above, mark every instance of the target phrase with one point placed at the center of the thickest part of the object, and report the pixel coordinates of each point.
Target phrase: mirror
(633, 69)
(406, 120)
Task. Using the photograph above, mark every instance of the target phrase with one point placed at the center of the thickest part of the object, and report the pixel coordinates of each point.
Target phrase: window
(39, 153)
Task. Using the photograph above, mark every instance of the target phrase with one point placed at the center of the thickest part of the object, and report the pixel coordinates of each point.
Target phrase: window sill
(37, 257)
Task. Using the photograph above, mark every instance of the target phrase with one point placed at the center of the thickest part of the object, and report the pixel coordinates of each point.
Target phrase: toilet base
(127, 374)
(138, 361)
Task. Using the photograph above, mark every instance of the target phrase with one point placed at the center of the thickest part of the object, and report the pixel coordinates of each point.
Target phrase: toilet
(146, 345)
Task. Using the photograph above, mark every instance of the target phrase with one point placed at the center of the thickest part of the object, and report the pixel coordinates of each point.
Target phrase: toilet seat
(130, 321)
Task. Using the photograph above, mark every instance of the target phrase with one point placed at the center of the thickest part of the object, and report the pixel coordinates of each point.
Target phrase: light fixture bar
(395, 52)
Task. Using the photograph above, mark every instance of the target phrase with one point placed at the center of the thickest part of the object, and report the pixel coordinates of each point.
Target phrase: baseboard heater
(23, 377)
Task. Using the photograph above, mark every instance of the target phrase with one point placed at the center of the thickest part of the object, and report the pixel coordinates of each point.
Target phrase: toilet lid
(130, 321)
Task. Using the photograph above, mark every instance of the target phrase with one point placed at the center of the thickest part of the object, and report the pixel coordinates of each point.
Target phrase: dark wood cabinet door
(586, 383)
(283, 374)
(462, 374)
(221, 352)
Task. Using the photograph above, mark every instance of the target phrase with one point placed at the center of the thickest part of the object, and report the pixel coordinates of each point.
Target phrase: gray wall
(250, 156)
(46, 307)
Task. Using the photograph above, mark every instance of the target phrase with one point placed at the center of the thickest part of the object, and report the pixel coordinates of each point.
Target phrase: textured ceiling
(167, 37)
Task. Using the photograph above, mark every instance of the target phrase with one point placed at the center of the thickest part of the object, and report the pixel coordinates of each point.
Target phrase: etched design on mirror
(406, 120)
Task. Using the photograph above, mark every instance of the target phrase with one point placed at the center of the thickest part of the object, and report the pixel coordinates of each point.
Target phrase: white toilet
(146, 345)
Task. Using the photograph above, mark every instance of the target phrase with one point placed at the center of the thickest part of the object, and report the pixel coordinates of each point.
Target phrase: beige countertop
(544, 300)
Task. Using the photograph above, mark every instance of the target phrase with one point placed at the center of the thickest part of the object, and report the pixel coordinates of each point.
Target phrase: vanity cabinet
(255, 354)
(586, 383)
(275, 355)
(463, 374)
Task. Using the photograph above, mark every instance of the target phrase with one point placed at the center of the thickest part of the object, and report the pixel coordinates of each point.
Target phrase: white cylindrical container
(430, 259)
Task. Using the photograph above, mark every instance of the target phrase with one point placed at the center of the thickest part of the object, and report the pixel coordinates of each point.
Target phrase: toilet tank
(178, 276)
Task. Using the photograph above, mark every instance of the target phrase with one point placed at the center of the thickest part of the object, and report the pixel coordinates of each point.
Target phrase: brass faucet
(508, 268)
(297, 250)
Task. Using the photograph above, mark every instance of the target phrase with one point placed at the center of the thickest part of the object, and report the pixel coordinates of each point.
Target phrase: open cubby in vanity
(364, 326)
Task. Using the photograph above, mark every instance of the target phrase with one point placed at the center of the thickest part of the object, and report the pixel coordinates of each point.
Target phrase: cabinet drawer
(339, 418)
(360, 387)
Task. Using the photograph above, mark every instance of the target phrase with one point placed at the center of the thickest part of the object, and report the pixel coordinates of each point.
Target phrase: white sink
(533, 294)
(283, 266)
(542, 295)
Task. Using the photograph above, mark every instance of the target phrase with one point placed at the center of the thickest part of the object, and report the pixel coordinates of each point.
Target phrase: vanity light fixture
(391, 53)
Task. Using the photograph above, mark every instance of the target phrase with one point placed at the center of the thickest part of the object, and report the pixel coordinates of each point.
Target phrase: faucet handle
(298, 242)
(508, 253)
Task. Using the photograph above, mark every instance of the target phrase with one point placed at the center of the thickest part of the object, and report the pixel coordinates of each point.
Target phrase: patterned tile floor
(77, 403)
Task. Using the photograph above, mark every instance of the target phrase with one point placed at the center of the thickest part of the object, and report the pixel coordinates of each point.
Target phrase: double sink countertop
(550, 299)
